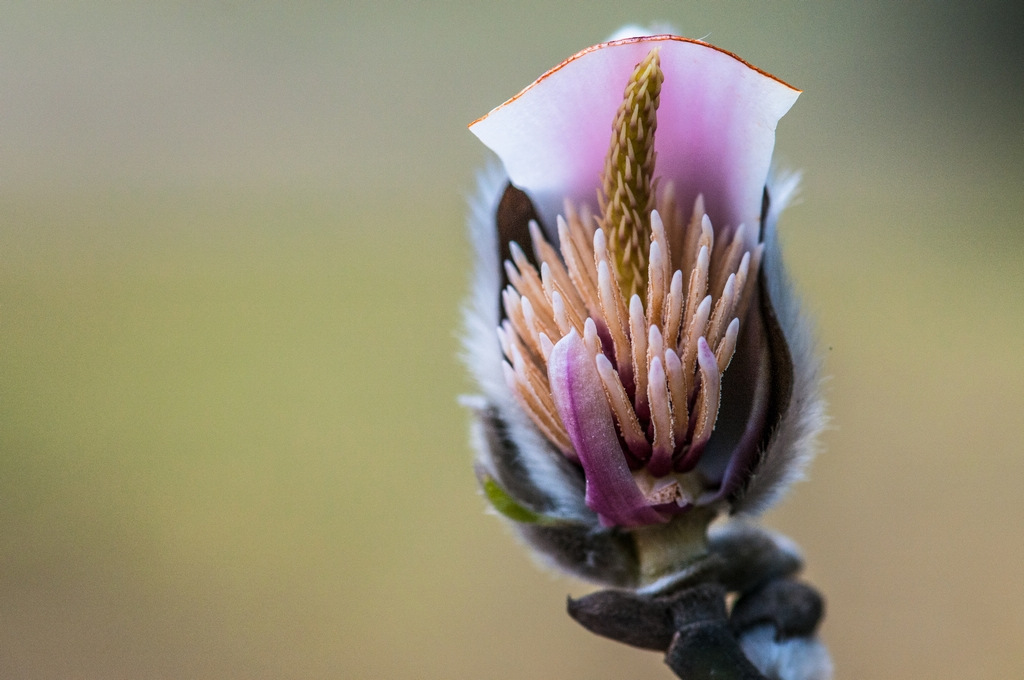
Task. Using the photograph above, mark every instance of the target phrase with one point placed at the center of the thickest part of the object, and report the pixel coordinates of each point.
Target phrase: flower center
(661, 359)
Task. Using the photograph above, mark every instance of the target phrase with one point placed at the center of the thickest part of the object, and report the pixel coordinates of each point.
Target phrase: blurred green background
(233, 255)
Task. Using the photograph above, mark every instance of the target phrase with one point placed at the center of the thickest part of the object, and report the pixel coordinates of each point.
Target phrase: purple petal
(580, 399)
(744, 455)
(716, 126)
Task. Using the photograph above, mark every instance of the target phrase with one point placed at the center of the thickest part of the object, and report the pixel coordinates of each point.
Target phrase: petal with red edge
(716, 127)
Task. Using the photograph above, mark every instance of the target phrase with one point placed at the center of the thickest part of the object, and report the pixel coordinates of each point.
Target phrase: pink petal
(579, 397)
(716, 127)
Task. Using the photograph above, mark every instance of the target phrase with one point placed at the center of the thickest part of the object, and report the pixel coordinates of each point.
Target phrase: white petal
(716, 126)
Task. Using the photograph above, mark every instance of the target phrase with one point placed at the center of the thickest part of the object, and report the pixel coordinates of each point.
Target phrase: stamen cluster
(661, 360)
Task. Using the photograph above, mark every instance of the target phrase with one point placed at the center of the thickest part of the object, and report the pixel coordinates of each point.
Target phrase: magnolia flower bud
(642, 361)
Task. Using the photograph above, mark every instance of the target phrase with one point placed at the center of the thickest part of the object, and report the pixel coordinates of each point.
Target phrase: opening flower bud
(643, 364)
